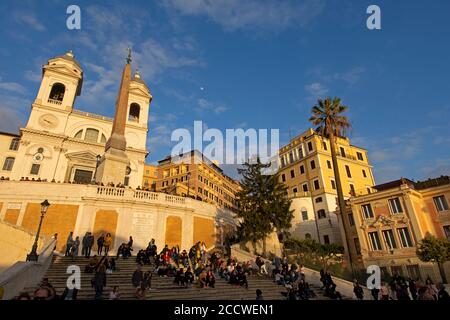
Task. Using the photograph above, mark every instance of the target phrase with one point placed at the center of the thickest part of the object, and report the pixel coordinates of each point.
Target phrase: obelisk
(114, 162)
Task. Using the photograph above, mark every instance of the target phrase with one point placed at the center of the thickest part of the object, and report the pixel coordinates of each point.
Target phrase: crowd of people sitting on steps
(197, 267)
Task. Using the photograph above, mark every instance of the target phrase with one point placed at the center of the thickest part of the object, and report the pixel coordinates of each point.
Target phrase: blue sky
(261, 64)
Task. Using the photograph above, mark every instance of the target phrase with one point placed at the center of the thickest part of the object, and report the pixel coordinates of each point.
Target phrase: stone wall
(122, 212)
(15, 244)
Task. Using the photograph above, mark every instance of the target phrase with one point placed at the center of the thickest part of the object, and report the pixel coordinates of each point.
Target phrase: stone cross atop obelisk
(114, 163)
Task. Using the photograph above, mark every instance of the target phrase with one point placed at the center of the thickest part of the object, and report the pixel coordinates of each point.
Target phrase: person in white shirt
(114, 294)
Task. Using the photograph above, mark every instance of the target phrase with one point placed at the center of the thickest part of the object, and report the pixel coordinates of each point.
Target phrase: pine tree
(263, 204)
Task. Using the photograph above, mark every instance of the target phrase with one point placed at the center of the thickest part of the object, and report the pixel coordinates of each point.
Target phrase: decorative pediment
(82, 155)
(382, 221)
(61, 68)
(139, 91)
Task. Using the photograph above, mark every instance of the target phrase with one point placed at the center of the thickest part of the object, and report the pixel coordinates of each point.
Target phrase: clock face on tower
(48, 121)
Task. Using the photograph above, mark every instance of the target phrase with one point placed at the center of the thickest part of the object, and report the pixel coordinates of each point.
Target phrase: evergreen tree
(263, 204)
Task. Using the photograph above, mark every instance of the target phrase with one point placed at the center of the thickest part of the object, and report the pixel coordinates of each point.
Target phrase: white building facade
(62, 143)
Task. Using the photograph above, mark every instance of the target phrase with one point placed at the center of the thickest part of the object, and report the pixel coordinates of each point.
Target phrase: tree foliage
(327, 117)
(310, 250)
(263, 204)
(432, 249)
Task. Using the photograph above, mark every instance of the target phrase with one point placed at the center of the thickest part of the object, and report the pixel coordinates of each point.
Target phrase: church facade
(61, 145)
(64, 144)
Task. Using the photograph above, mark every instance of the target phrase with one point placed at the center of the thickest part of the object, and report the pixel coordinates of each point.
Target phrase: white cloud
(31, 20)
(12, 112)
(316, 89)
(351, 76)
(205, 105)
(33, 76)
(111, 29)
(250, 14)
(12, 86)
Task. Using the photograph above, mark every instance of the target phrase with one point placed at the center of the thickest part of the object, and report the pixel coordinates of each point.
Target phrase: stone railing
(145, 195)
(112, 192)
(131, 194)
(91, 115)
(24, 274)
(53, 101)
(302, 194)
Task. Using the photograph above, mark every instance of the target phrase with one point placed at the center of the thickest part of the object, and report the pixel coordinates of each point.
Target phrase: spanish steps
(162, 288)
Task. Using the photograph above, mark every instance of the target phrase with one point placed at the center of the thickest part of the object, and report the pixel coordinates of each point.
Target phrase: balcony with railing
(302, 194)
(56, 102)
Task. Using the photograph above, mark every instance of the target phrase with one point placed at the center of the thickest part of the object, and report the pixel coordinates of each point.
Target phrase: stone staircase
(163, 288)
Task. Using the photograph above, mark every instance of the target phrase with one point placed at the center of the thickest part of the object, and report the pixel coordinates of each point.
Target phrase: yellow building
(196, 176)
(306, 169)
(9, 144)
(150, 176)
(393, 218)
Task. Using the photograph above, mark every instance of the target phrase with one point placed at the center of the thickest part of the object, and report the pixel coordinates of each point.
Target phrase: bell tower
(62, 79)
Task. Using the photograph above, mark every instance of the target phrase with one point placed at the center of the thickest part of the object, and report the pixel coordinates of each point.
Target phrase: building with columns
(61, 143)
(387, 223)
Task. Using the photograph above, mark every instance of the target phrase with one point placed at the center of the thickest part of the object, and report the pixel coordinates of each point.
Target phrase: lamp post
(188, 177)
(33, 256)
(94, 179)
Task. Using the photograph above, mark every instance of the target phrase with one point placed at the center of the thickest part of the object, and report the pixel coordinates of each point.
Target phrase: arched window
(8, 164)
(103, 139)
(308, 236)
(79, 134)
(57, 93)
(135, 110)
(91, 135)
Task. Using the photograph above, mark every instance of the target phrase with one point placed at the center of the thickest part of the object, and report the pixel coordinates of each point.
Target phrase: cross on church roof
(129, 56)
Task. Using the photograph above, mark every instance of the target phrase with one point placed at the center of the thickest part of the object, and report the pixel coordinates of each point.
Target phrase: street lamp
(188, 177)
(94, 179)
(33, 256)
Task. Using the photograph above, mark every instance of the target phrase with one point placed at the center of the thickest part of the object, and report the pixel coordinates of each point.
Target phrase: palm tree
(330, 124)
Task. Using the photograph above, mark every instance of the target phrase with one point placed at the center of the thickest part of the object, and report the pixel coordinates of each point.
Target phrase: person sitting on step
(140, 258)
(188, 276)
(137, 277)
(92, 265)
(210, 279)
(202, 279)
(180, 277)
